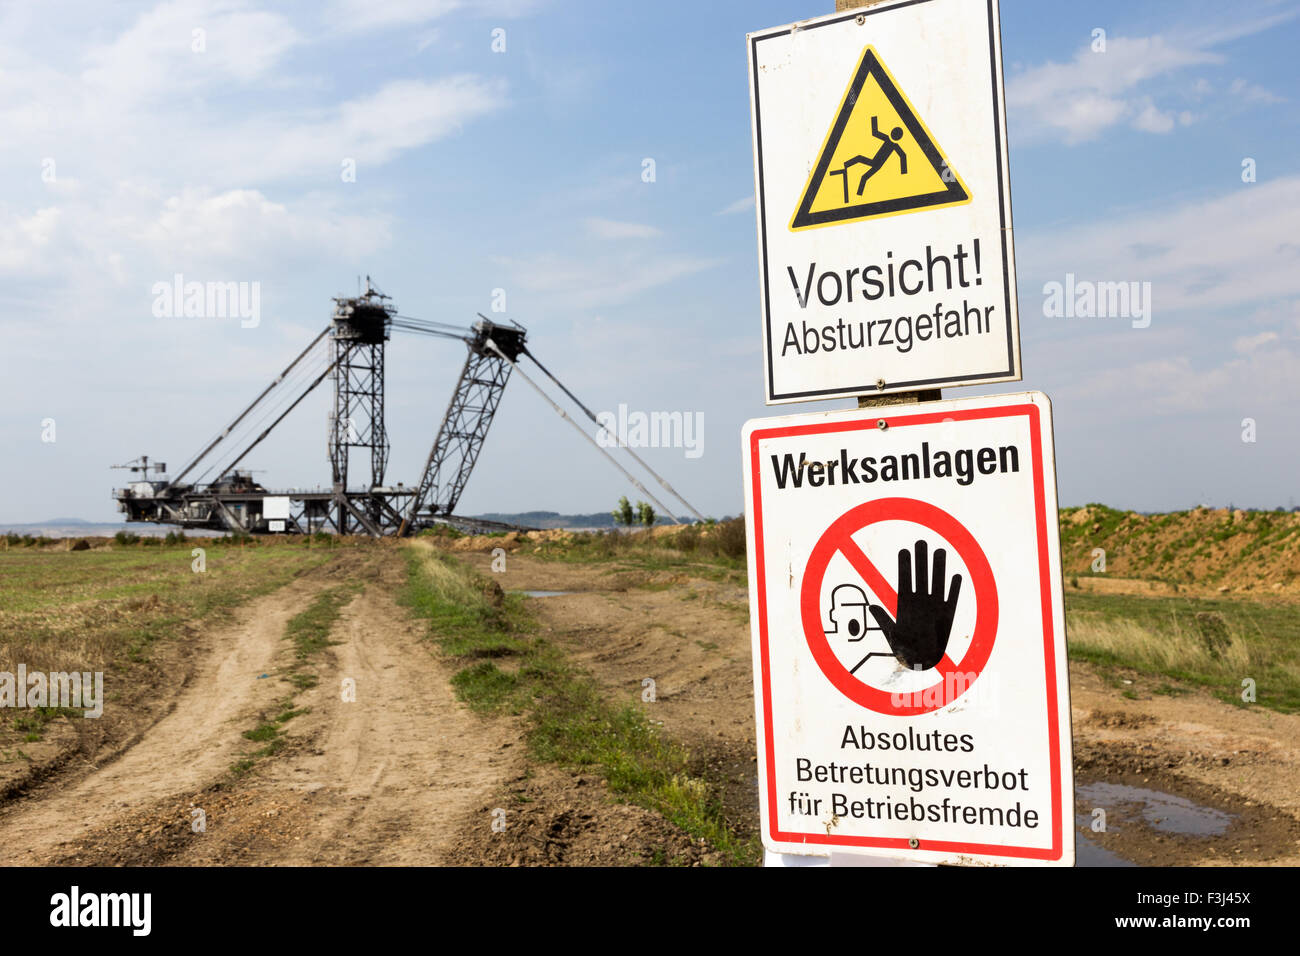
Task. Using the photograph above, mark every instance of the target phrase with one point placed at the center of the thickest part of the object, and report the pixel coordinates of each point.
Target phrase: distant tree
(623, 513)
(645, 514)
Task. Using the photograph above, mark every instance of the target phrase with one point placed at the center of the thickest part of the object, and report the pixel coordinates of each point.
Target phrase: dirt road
(394, 777)
(1185, 780)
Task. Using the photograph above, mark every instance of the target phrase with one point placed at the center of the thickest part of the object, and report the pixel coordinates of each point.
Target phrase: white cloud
(1228, 252)
(1094, 91)
(1250, 343)
(1078, 100)
(243, 226)
(136, 236)
(141, 104)
(1212, 34)
(362, 15)
(1253, 93)
(1152, 120)
(587, 284)
(221, 161)
(359, 15)
(372, 129)
(740, 205)
(157, 56)
(1179, 384)
(25, 239)
(610, 229)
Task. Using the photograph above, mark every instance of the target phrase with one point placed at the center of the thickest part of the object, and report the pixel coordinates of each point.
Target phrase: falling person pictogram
(888, 146)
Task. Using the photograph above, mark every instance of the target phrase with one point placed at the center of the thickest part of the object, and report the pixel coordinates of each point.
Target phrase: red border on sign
(838, 537)
(1031, 412)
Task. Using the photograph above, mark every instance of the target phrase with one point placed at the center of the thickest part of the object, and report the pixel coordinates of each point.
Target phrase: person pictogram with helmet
(918, 636)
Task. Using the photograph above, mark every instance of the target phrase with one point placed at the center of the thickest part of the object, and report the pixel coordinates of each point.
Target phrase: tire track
(184, 751)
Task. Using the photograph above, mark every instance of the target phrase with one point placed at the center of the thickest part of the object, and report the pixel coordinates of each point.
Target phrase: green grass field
(1215, 644)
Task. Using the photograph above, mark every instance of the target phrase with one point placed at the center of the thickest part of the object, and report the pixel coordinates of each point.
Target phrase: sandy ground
(691, 636)
(388, 779)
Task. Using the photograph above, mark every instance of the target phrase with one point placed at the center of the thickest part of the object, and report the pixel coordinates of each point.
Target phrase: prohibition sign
(838, 539)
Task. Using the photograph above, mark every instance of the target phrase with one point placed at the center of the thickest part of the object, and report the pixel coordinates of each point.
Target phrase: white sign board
(884, 208)
(910, 676)
(276, 506)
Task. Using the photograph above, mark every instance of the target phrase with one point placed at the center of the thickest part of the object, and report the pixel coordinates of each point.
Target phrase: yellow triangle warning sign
(878, 159)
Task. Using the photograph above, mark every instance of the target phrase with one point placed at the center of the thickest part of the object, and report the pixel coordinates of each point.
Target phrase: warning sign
(878, 159)
(884, 206)
(911, 687)
(915, 614)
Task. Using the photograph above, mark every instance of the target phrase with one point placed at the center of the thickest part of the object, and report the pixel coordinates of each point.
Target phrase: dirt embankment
(389, 777)
(1203, 550)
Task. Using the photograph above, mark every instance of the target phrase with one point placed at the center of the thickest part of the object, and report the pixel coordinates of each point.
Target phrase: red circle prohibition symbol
(838, 539)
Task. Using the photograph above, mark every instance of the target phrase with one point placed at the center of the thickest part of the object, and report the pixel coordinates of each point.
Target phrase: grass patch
(571, 722)
(31, 723)
(1209, 643)
(263, 731)
(487, 688)
(309, 630)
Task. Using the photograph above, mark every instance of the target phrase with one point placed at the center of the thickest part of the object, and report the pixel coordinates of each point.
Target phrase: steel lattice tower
(358, 330)
(465, 426)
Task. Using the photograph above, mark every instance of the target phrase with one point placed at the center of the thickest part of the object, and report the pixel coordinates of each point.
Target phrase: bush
(726, 538)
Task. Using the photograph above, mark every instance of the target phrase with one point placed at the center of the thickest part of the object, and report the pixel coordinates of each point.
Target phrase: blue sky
(522, 170)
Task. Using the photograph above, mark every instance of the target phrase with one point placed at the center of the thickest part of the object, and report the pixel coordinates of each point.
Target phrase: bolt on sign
(910, 677)
(884, 207)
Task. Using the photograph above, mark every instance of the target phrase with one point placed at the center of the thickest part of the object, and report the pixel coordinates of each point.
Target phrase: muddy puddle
(1167, 812)
(1145, 825)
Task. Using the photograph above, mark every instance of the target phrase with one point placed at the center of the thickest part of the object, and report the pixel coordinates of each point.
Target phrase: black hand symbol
(920, 635)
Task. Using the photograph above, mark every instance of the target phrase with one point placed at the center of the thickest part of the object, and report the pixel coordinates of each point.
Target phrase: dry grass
(105, 610)
(1212, 646)
(1215, 644)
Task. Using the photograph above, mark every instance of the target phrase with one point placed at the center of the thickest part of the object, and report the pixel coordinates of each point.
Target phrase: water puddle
(541, 593)
(1088, 853)
(1159, 810)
